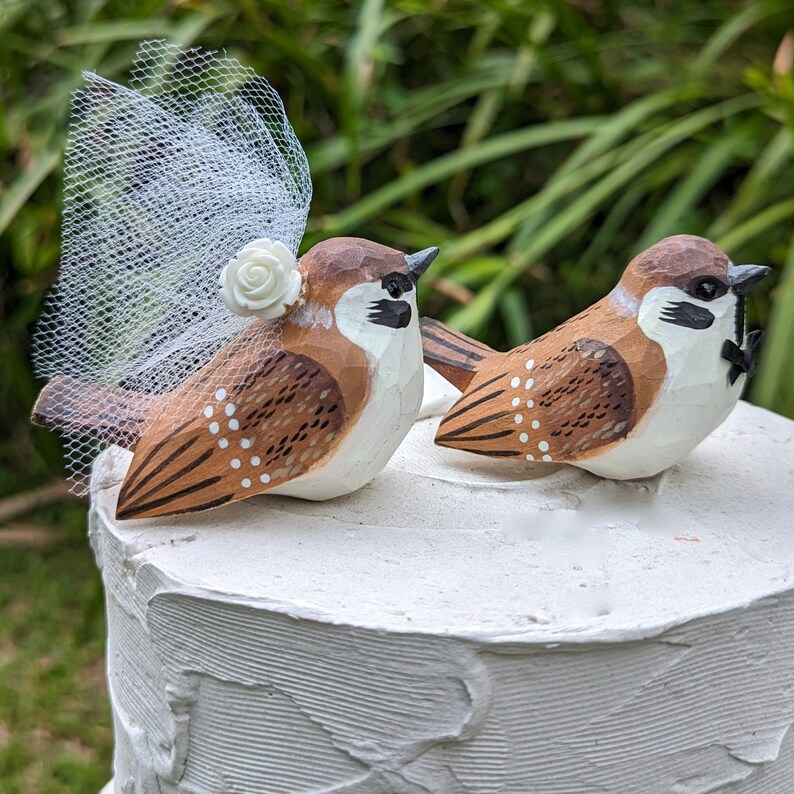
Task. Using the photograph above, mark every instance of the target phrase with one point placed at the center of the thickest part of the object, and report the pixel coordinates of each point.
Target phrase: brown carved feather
(276, 425)
(562, 397)
(568, 404)
(452, 354)
(108, 414)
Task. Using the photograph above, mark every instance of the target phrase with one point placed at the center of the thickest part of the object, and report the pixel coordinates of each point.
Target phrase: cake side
(234, 697)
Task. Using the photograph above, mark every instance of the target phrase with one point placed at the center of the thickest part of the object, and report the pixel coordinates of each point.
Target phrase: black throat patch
(391, 313)
(687, 315)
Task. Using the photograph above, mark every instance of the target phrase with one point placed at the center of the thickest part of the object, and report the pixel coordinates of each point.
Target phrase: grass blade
(774, 386)
(25, 185)
(460, 160)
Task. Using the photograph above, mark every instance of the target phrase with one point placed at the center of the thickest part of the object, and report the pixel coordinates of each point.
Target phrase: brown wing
(544, 405)
(277, 424)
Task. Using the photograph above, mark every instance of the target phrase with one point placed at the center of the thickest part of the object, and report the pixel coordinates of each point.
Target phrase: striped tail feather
(479, 423)
(455, 357)
(105, 413)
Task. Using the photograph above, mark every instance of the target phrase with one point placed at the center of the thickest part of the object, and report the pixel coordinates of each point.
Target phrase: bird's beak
(420, 261)
(743, 278)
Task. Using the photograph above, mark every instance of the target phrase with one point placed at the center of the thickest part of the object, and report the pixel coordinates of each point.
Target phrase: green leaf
(472, 317)
(25, 184)
(707, 167)
(445, 166)
(516, 317)
(773, 386)
(759, 224)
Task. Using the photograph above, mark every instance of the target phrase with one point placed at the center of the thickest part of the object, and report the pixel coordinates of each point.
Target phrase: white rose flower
(261, 280)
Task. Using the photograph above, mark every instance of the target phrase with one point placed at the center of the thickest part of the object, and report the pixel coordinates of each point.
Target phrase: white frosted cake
(464, 626)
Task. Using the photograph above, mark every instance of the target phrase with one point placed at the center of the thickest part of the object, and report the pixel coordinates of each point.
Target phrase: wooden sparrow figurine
(183, 327)
(624, 389)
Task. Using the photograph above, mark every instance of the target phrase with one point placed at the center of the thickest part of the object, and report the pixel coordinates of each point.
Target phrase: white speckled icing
(465, 626)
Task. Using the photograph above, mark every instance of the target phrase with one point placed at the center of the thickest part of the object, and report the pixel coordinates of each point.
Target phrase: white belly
(395, 398)
(694, 399)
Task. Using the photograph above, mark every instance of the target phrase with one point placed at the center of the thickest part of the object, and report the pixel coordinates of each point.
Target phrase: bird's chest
(396, 387)
(695, 395)
(377, 426)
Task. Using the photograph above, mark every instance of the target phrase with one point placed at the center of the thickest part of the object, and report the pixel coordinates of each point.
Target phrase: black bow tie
(742, 359)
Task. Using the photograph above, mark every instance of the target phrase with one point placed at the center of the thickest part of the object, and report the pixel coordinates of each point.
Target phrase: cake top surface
(446, 542)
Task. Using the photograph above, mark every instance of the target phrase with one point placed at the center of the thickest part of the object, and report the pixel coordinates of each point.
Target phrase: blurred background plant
(539, 143)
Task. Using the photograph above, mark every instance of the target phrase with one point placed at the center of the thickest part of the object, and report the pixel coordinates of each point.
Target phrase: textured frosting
(464, 625)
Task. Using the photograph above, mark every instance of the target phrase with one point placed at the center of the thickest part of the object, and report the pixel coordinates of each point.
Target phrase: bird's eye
(397, 284)
(707, 289)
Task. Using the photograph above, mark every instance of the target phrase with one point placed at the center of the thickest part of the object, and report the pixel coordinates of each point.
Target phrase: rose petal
(233, 306)
(271, 313)
(283, 253)
(293, 288)
(252, 303)
(257, 278)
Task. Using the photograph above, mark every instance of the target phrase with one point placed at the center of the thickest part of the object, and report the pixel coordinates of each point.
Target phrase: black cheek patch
(391, 313)
(687, 315)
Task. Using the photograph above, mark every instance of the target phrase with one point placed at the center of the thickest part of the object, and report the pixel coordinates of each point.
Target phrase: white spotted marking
(530, 457)
(234, 424)
(514, 383)
(530, 363)
(214, 427)
(530, 403)
(519, 419)
(535, 424)
(230, 409)
(516, 401)
(543, 446)
(208, 411)
(523, 438)
(255, 461)
(530, 383)
(245, 443)
(246, 483)
(220, 394)
(235, 463)
(264, 478)
(324, 393)
(547, 458)
(223, 443)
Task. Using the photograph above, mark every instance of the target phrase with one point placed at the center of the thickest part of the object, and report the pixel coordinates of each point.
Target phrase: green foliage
(55, 734)
(539, 143)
